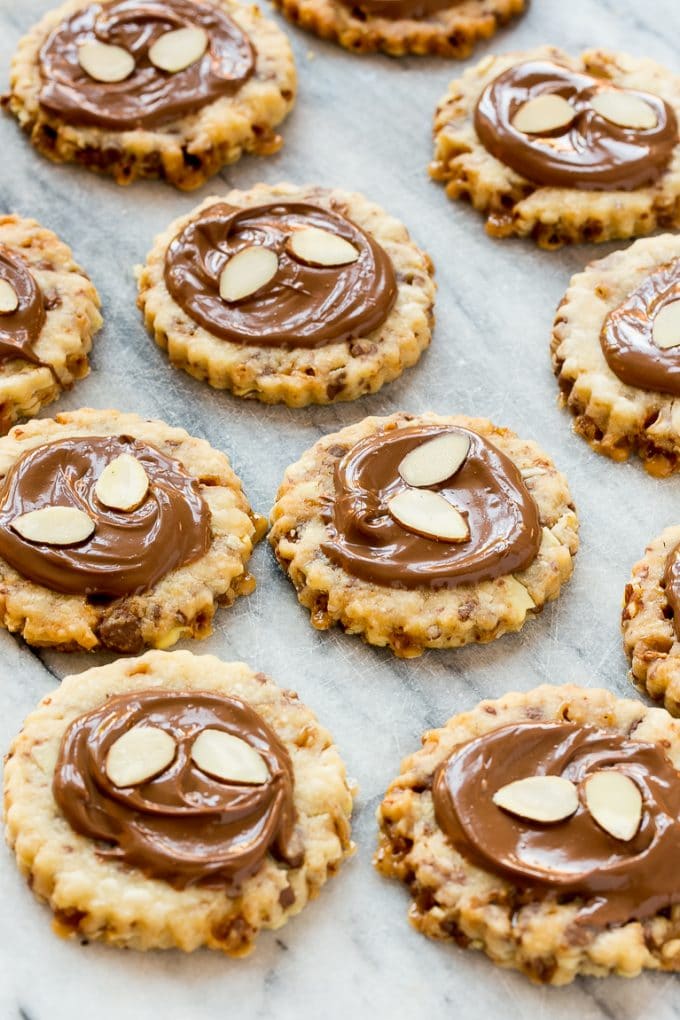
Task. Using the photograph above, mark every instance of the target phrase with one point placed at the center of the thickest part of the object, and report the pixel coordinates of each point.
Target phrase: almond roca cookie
(543, 829)
(49, 312)
(168, 88)
(118, 532)
(563, 149)
(424, 531)
(285, 294)
(175, 801)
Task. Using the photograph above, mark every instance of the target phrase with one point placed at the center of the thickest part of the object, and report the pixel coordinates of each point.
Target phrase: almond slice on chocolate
(615, 802)
(435, 460)
(139, 755)
(54, 525)
(623, 109)
(319, 247)
(247, 271)
(543, 114)
(123, 483)
(227, 757)
(666, 326)
(428, 514)
(178, 49)
(538, 798)
(9, 300)
(105, 63)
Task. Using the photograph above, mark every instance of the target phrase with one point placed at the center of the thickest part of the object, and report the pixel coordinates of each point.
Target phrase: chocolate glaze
(20, 329)
(671, 585)
(627, 339)
(619, 880)
(182, 826)
(148, 97)
(400, 8)
(364, 539)
(591, 153)
(129, 551)
(303, 306)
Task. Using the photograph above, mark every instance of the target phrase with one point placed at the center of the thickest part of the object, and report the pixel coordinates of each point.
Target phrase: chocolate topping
(148, 97)
(304, 305)
(20, 329)
(365, 540)
(620, 880)
(400, 8)
(627, 338)
(671, 585)
(182, 826)
(591, 153)
(129, 551)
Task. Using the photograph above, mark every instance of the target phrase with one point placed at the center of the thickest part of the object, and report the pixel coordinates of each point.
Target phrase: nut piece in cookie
(179, 791)
(542, 828)
(424, 531)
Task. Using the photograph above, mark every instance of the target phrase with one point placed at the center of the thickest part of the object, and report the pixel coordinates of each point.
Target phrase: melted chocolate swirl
(20, 329)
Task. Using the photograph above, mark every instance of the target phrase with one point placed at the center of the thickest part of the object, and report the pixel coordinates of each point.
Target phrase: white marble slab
(359, 123)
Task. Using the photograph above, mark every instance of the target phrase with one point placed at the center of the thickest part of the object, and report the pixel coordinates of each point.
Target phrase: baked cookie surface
(221, 888)
(134, 111)
(314, 333)
(525, 891)
(336, 534)
(603, 181)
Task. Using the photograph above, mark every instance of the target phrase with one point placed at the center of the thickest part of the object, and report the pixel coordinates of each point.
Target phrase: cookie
(542, 829)
(216, 804)
(424, 531)
(286, 294)
(118, 532)
(176, 89)
(49, 312)
(563, 149)
(444, 28)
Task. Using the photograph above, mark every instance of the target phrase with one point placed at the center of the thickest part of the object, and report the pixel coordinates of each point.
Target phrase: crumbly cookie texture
(97, 898)
(456, 901)
(186, 151)
(551, 216)
(301, 376)
(71, 320)
(182, 604)
(451, 32)
(410, 620)
(614, 418)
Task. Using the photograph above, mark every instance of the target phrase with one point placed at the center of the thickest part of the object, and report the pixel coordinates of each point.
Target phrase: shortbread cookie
(424, 531)
(444, 28)
(172, 88)
(543, 828)
(294, 295)
(49, 312)
(563, 149)
(175, 801)
(616, 353)
(118, 532)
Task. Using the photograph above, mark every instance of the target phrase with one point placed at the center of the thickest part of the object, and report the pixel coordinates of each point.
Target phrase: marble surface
(365, 124)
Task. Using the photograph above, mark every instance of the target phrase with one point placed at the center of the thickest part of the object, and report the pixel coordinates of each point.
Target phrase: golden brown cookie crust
(551, 216)
(186, 151)
(301, 376)
(455, 901)
(408, 621)
(182, 604)
(97, 898)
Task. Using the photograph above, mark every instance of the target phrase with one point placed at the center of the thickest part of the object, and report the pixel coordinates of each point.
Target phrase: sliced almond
(429, 514)
(9, 300)
(139, 755)
(105, 63)
(176, 50)
(666, 328)
(435, 460)
(227, 757)
(623, 109)
(615, 803)
(123, 483)
(543, 114)
(319, 247)
(54, 525)
(247, 271)
(539, 798)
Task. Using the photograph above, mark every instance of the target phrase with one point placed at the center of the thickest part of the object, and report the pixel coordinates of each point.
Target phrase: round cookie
(520, 137)
(49, 312)
(120, 868)
(619, 383)
(558, 897)
(445, 28)
(403, 574)
(118, 532)
(311, 332)
(106, 84)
